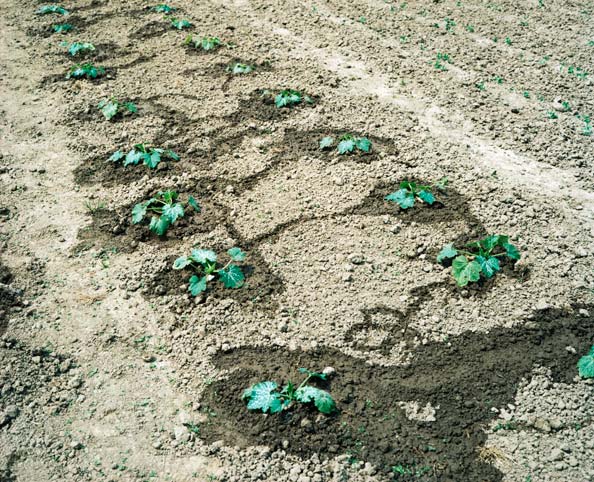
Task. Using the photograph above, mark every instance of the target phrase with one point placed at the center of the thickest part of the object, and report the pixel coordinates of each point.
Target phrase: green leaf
(447, 252)
(346, 145)
(153, 159)
(139, 211)
(133, 157)
(511, 251)
(405, 199)
(326, 142)
(159, 225)
(203, 256)
(490, 242)
(263, 396)
(241, 68)
(181, 262)
(312, 374)
(163, 8)
(62, 28)
(489, 266)
(194, 204)
(464, 271)
(363, 144)
(180, 24)
(197, 285)
(586, 365)
(287, 98)
(172, 155)
(109, 109)
(426, 196)
(232, 277)
(51, 9)
(116, 156)
(173, 211)
(77, 47)
(322, 399)
(236, 254)
(131, 107)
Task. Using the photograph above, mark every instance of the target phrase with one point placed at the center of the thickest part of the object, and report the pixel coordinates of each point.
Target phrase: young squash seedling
(410, 191)
(82, 71)
(163, 8)
(150, 156)
(62, 27)
(112, 107)
(586, 365)
(204, 263)
(479, 258)
(180, 24)
(266, 397)
(204, 43)
(167, 209)
(290, 97)
(347, 144)
(238, 68)
(46, 9)
(78, 47)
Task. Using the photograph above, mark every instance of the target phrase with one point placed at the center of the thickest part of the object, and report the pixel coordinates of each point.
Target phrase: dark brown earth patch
(9, 296)
(463, 379)
(114, 228)
(150, 30)
(258, 292)
(307, 143)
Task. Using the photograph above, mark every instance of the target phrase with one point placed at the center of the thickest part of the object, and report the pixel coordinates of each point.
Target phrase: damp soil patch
(307, 143)
(9, 296)
(462, 380)
(259, 291)
(114, 228)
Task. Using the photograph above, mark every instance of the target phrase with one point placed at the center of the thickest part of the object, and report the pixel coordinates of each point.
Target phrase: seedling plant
(82, 71)
(347, 144)
(586, 365)
(204, 264)
(238, 68)
(266, 397)
(62, 27)
(166, 208)
(150, 156)
(163, 8)
(112, 107)
(46, 9)
(410, 191)
(479, 258)
(78, 47)
(290, 97)
(180, 24)
(204, 43)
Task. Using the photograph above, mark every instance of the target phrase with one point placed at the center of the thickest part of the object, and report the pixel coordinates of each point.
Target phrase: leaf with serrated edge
(232, 277)
(447, 252)
(133, 157)
(173, 211)
(326, 142)
(263, 396)
(181, 262)
(403, 198)
(511, 251)
(160, 225)
(194, 204)
(109, 109)
(345, 146)
(426, 196)
(204, 255)
(489, 266)
(153, 159)
(236, 254)
(586, 365)
(322, 399)
(464, 271)
(116, 156)
(197, 285)
(139, 211)
(363, 144)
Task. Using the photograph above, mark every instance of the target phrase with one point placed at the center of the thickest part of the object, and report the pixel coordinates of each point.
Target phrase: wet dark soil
(9, 296)
(462, 379)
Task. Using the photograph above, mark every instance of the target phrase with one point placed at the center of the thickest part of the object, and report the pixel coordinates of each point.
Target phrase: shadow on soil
(462, 379)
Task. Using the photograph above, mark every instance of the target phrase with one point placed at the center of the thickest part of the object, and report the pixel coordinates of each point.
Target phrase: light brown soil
(110, 370)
